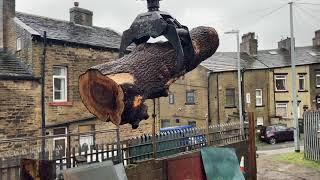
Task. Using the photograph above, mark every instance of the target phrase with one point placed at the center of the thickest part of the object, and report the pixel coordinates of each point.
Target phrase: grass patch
(298, 159)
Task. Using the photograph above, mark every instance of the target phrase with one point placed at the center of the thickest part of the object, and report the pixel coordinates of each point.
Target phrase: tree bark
(116, 91)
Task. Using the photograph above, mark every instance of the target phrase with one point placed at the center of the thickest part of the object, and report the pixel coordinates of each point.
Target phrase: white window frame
(61, 138)
(65, 77)
(193, 95)
(19, 44)
(259, 97)
(281, 77)
(317, 76)
(303, 77)
(171, 98)
(281, 105)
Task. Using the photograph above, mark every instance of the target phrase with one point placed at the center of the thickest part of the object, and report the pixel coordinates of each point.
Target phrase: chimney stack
(7, 25)
(80, 16)
(316, 39)
(285, 44)
(249, 44)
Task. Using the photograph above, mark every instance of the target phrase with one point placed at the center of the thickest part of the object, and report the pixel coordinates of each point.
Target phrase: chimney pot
(76, 4)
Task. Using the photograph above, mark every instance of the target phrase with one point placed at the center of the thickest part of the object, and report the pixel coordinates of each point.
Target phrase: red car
(276, 133)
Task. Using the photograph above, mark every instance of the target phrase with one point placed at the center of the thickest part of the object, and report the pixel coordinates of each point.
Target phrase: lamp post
(239, 79)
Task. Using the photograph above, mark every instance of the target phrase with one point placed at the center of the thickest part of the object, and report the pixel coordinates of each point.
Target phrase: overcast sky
(224, 15)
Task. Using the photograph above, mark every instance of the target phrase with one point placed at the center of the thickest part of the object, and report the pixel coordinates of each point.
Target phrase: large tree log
(116, 91)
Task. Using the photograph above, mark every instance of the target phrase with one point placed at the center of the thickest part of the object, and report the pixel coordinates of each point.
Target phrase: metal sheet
(98, 171)
(186, 167)
(221, 163)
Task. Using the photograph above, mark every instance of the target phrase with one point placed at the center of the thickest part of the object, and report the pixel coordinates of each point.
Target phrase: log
(116, 91)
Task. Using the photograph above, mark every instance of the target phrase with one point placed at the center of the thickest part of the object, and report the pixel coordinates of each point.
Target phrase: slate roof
(274, 58)
(69, 32)
(12, 68)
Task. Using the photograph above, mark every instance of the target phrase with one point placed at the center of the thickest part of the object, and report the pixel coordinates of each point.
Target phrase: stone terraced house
(72, 47)
(211, 90)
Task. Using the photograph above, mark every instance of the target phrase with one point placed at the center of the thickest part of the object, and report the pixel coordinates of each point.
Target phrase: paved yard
(269, 168)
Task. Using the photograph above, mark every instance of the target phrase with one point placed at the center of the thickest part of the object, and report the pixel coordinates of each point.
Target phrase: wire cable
(314, 4)
(268, 14)
(308, 13)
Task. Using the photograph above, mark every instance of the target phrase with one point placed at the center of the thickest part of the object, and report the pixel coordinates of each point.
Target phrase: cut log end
(103, 96)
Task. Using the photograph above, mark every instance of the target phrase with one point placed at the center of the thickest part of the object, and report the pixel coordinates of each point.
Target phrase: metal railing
(131, 151)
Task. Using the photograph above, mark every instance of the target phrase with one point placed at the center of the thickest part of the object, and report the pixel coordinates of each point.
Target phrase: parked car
(276, 133)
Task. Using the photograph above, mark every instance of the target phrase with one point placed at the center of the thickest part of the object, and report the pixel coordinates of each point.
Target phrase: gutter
(19, 78)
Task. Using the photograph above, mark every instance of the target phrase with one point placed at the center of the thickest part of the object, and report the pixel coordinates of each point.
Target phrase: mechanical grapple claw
(155, 23)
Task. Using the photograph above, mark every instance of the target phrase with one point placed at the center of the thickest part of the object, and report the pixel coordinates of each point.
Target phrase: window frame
(304, 82)
(194, 97)
(277, 77)
(65, 77)
(279, 104)
(261, 97)
(317, 76)
(171, 98)
(18, 44)
(165, 120)
(61, 138)
(192, 123)
(234, 97)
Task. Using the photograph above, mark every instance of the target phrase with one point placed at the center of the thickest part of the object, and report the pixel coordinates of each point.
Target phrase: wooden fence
(132, 150)
(312, 135)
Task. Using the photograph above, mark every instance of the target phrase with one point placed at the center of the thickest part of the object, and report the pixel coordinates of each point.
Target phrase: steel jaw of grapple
(157, 23)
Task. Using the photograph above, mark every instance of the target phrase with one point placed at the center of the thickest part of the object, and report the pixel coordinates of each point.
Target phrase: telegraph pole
(237, 32)
(294, 87)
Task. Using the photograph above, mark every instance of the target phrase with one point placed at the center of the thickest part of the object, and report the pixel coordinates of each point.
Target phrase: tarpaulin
(221, 164)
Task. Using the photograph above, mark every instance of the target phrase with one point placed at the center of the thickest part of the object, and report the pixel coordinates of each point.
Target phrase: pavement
(269, 169)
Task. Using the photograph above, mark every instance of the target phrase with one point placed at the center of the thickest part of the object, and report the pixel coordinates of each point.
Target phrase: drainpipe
(208, 96)
(43, 115)
(218, 98)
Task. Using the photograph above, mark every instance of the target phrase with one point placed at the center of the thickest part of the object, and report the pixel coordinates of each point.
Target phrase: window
(260, 121)
(248, 98)
(190, 99)
(19, 44)
(192, 123)
(282, 110)
(60, 142)
(59, 84)
(281, 84)
(281, 128)
(318, 79)
(258, 97)
(86, 141)
(171, 98)
(301, 82)
(165, 123)
(230, 98)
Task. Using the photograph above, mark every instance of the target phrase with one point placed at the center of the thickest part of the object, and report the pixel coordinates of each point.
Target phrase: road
(270, 169)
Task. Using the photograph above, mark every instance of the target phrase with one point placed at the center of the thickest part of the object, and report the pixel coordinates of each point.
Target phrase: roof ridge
(65, 21)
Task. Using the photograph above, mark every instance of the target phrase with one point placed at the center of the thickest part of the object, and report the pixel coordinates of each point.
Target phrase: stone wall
(180, 113)
(20, 113)
(314, 90)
